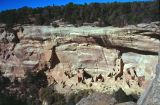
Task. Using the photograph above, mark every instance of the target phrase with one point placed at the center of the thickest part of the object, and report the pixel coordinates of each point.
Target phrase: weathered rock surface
(94, 49)
(141, 63)
(152, 94)
(91, 57)
(136, 38)
(97, 99)
(127, 103)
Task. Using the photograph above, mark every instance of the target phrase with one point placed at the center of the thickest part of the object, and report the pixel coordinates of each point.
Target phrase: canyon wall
(151, 94)
(126, 55)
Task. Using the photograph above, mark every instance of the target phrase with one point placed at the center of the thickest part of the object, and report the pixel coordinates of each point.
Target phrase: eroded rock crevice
(54, 60)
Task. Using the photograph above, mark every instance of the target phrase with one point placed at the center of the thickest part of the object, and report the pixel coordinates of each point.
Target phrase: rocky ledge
(106, 59)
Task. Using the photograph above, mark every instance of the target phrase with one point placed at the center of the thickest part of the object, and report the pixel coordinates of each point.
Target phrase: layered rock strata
(125, 55)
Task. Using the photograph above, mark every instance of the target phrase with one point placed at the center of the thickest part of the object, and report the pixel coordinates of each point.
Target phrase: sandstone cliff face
(97, 50)
(151, 95)
(93, 58)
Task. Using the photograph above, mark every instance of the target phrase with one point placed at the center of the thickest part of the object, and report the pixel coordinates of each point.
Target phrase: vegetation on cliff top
(115, 14)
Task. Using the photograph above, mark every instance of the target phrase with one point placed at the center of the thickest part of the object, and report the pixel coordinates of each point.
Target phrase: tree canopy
(115, 14)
